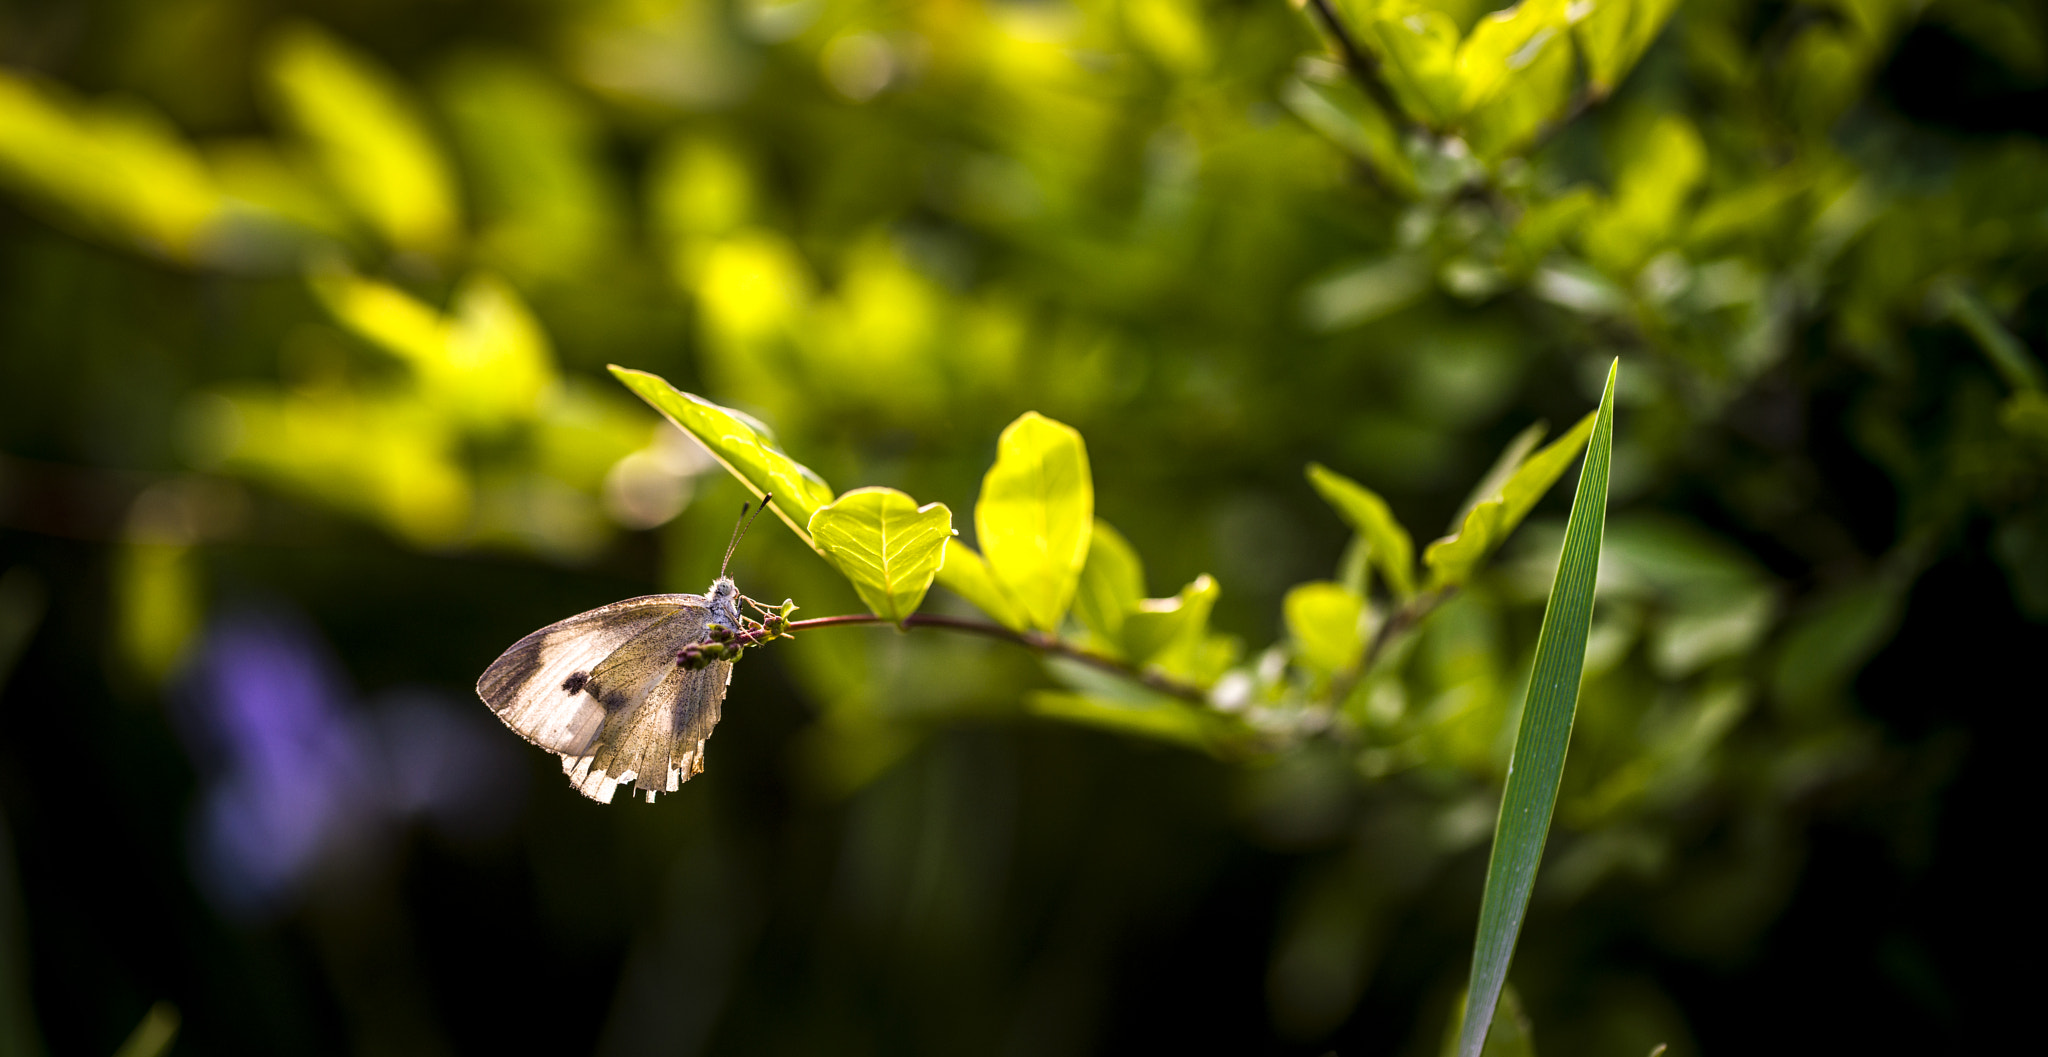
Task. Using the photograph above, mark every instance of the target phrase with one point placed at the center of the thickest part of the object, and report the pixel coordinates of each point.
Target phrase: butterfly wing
(538, 686)
(657, 722)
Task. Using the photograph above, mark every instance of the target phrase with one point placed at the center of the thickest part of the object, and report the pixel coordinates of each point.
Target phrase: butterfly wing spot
(576, 681)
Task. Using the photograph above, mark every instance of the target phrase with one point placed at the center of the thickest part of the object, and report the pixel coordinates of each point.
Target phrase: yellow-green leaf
(1614, 34)
(1159, 628)
(1036, 510)
(1541, 470)
(967, 574)
(1502, 45)
(740, 443)
(1419, 47)
(367, 137)
(488, 361)
(116, 169)
(1393, 551)
(1453, 559)
(1326, 623)
(1112, 583)
(1534, 92)
(885, 543)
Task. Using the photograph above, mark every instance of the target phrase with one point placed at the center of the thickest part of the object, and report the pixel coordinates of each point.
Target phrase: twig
(1399, 621)
(1361, 63)
(1028, 639)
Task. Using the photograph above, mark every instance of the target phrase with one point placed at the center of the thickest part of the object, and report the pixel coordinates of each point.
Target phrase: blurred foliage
(307, 307)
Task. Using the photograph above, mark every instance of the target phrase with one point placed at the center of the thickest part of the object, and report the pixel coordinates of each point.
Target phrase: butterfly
(623, 692)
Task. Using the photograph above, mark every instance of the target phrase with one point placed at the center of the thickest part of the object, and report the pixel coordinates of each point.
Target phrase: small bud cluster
(721, 643)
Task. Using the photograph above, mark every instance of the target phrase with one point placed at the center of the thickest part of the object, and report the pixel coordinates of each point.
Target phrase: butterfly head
(724, 602)
(724, 594)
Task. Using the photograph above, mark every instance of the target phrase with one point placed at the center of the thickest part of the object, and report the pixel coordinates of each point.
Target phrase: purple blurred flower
(303, 788)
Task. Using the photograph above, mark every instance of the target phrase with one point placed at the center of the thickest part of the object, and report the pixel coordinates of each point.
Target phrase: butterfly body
(606, 691)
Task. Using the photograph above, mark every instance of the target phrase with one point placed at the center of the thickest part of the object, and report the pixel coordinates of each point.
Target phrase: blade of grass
(1538, 761)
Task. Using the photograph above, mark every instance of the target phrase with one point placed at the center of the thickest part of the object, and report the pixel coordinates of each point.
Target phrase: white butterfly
(609, 690)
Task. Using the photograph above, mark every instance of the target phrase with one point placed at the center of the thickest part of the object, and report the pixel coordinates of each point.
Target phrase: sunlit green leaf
(118, 170)
(1537, 765)
(885, 543)
(1493, 57)
(1453, 559)
(1504, 466)
(1534, 93)
(1112, 583)
(966, 573)
(1159, 626)
(1419, 48)
(1393, 551)
(488, 361)
(1033, 519)
(742, 445)
(367, 136)
(1325, 621)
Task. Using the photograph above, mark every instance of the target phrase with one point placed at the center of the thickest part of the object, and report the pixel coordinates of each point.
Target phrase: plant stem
(1398, 621)
(1362, 65)
(1031, 640)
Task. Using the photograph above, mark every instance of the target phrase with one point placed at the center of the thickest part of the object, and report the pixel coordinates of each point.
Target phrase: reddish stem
(1028, 639)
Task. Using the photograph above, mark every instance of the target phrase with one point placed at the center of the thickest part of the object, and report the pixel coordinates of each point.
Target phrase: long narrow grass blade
(1538, 761)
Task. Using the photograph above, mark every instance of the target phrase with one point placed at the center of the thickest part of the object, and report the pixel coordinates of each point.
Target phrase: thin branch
(1361, 63)
(1399, 621)
(1028, 639)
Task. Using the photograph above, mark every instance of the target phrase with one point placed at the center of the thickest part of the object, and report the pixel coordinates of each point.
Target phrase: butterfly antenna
(739, 530)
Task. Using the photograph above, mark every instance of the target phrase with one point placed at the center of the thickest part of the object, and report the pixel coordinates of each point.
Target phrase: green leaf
(1504, 44)
(1329, 100)
(1393, 551)
(1112, 584)
(1503, 468)
(1535, 91)
(1453, 559)
(1033, 519)
(744, 446)
(1614, 34)
(1660, 170)
(488, 361)
(1326, 622)
(1418, 47)
(966, 573)
(159, 1028)
(885, 543)
(1161, 719)
(1165, 630)
(2008, 355)
(1510, 1036)
(368, 138)
(1537, 765)
(1827, 645)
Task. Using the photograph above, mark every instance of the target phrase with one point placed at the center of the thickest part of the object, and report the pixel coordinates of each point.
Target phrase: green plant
(1035, 521)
